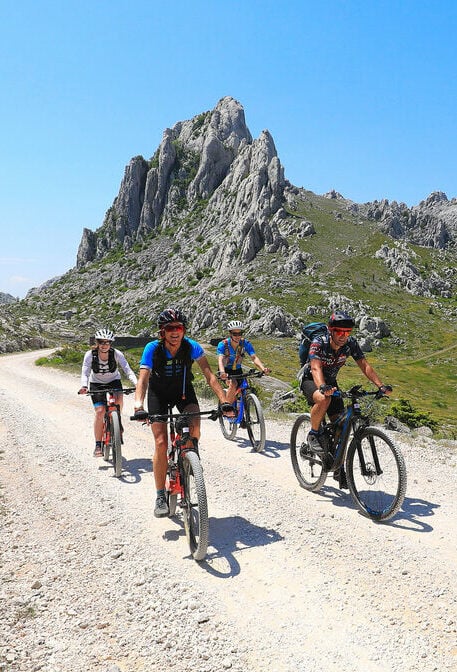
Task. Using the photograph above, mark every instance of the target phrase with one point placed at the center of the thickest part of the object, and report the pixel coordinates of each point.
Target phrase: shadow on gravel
(230, 536)
(409, 517)
(132, 470)
(272, 449)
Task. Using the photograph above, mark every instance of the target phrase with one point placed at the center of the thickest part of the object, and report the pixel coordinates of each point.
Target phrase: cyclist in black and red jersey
(327, 354)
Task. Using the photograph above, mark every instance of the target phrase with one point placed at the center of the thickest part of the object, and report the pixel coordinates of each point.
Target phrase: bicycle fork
(367, 468)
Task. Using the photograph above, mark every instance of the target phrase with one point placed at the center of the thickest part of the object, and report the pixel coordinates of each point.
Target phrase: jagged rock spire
(209, 163)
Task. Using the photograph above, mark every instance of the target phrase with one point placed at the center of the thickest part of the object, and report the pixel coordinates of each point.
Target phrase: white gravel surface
(293, 582)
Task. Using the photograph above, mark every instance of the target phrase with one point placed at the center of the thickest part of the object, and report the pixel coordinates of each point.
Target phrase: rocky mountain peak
(208, 165)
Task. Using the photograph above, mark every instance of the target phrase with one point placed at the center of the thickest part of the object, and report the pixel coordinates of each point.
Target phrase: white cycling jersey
(105, 375)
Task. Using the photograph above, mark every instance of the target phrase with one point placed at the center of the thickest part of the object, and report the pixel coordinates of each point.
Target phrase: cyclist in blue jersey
(327, 354)
(230, 356)
(166, 375)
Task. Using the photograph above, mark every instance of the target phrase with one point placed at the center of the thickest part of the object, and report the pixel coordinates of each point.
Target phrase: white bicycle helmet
(104, 335)
(235, 324)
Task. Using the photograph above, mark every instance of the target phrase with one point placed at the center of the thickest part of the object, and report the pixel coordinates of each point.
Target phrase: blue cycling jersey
(173, 366)
(231, 354)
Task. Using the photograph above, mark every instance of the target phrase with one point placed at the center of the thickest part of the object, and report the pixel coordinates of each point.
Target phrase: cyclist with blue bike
(327, 354)
(231, 352)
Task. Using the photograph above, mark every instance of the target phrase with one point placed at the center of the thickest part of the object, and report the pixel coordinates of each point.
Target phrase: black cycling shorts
(98, 399)
(160, 400)
(308, 387)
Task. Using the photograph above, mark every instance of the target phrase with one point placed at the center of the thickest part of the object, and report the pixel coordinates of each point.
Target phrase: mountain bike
(249, 413)
(112, 428)
(374, 465)
(185, 485)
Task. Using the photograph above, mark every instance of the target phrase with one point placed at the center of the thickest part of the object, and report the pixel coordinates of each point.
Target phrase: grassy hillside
(418, 359)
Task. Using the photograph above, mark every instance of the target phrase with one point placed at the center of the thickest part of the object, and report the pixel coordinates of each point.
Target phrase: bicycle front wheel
(376, 474)
(228, 428)
(255, 422)
(116, 443)
(308, 466)
(106, 440)
(195, 506)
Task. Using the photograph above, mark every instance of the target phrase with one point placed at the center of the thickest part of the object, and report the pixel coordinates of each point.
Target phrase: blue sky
(359, 96)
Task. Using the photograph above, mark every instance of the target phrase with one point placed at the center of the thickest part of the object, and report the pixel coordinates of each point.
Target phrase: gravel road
(293, 582)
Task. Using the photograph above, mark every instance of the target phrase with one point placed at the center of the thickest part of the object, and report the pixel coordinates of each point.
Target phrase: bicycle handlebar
(357, 392)
(161, 417)
(114, 390)
(252, 373)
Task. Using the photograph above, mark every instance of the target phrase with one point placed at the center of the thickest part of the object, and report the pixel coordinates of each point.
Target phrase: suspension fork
(374, 454)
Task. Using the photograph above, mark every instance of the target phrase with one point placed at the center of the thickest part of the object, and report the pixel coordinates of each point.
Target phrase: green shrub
(405, 412)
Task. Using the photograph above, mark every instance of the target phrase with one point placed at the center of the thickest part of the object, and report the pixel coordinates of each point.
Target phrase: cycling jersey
(174, 366)
(104, 375)
(233, 356)
(332, 360)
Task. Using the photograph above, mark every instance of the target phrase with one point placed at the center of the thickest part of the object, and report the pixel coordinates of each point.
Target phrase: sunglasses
(104, 342)
(341, 332)
(236, 333)
(174, 327)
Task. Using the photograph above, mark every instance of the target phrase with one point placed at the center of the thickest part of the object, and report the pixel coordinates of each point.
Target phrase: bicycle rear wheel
(228, 428)
(255, 422)
(376, 474)
(116, 443)
(308, 466)
(195, 506)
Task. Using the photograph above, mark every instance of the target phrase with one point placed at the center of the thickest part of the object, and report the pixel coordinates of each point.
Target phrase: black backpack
(112, 364)
(308, 334)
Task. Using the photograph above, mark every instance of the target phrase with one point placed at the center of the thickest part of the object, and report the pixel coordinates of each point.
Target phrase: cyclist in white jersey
(100, 371)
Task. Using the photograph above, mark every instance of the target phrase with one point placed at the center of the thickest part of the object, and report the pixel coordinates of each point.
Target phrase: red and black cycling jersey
(332, 360)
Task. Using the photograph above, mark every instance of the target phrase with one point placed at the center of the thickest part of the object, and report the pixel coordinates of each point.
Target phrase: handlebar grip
(141, 415)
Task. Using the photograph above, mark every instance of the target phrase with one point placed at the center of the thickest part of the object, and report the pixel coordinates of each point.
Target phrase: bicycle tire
(229, 429)
(378, 496)
(116, 442)
(308, 466)
(172, 502)
(195, 506)
(255, 422)
(106, 442)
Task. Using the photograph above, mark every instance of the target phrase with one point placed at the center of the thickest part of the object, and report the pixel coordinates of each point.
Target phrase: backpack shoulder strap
(95, 362)
(226, 348)
(112, 363)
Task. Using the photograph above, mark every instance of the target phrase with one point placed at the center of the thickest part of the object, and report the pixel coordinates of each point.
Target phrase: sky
(359, 96)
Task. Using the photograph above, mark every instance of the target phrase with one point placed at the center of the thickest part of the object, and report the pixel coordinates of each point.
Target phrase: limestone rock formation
(208, 168)
(6, 298)
(431, 223)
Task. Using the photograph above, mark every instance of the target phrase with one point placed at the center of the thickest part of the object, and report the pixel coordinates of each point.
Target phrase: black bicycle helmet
(341, 319)
(171, 315)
